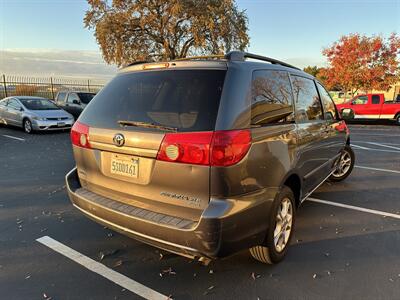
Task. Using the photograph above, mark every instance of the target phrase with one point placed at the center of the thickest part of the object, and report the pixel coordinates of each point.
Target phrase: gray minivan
(207, 156)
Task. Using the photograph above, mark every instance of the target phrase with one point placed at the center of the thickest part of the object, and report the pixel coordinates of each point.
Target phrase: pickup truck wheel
(344, 166)
(397, 119)
(280, 229)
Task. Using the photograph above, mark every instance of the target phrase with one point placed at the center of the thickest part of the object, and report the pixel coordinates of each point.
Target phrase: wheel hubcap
(344, 165)
(28, 127)
(283, 227)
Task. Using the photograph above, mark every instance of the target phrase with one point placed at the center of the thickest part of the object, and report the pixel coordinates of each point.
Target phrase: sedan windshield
(39, 104)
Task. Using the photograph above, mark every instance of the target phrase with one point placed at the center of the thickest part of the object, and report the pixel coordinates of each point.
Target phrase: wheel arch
(294, 182)
(25, 118)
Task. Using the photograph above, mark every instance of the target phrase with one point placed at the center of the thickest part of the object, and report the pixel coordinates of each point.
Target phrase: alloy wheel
(344, 165)
(283, 227)
(27, 126)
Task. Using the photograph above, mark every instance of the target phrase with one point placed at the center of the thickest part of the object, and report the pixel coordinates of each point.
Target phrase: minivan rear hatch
(127, 122)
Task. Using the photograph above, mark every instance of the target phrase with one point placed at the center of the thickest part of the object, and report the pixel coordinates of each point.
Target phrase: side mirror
(21, 109)
(75, 101)
(347, 114)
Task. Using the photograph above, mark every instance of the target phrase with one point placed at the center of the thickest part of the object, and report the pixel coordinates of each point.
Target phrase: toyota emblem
(119, 140)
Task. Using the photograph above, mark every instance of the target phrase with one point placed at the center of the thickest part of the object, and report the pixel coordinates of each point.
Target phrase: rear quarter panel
(271, 156)
(390, 110)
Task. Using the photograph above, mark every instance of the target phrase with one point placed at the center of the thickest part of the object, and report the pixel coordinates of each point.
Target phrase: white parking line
(391, 144)
(383, 145)
(378, 169)
(373, 149)
(375, 134)
(13, 137)
(94, 266)
(362, 209)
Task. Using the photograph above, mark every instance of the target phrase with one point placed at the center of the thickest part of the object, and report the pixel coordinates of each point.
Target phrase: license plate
(60, 124)
(124, 165)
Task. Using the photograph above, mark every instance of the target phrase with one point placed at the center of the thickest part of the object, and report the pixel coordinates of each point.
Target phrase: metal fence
(44, 87)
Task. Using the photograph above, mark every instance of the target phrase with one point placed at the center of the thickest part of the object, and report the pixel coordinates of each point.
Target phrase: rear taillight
(229, 147)
(191, 148)
(80, 135)
(219, 148)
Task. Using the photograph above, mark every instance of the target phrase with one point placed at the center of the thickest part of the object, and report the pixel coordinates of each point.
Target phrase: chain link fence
(44, 87)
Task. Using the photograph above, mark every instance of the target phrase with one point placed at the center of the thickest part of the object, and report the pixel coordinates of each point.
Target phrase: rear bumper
(225, 227)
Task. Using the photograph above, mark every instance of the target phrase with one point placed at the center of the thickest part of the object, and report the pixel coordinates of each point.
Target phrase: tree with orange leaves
(357, 62)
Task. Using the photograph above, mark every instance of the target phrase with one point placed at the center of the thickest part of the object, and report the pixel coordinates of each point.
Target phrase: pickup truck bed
(371, 106)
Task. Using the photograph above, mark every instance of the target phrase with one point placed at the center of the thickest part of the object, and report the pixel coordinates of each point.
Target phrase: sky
(47, 37)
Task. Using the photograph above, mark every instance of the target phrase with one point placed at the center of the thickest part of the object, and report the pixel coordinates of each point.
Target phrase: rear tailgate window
(184, 99)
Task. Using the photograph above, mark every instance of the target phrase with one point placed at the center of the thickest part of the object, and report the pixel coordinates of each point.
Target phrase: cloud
(80, 64)
(57, 63)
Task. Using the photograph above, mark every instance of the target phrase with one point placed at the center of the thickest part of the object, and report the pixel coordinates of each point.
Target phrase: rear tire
(345, 165)
(397, 119)
(280, 230)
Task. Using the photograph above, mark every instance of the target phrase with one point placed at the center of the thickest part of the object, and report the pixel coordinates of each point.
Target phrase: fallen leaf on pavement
(208, 290)
(104, 254)
(168, 271)
(118, 263)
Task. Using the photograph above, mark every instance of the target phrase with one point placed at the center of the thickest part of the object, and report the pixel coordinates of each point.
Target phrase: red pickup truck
(371, 106)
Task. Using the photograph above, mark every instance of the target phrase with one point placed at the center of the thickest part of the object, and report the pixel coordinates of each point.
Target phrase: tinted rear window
(185, 99)
(86, 97)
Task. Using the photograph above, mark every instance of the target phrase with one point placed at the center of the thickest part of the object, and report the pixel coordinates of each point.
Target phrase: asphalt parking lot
(345, 247)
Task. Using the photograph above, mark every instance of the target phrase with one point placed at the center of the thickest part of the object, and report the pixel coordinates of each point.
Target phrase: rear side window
(271, 100)
(376, 99)
(4, 102)
(61, 97)
(12, 103)
(327, 103)
(72, 97)
(184, 99)
(307, 103)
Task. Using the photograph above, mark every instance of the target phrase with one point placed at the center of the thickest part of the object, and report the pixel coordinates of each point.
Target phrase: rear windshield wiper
(147, 125)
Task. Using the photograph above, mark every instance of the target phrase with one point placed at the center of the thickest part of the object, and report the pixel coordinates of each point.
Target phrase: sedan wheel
(27, 126)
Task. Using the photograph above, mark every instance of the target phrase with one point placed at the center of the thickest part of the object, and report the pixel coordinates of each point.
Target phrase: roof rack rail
(137, 63)
(213, 56)
(241, 56)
